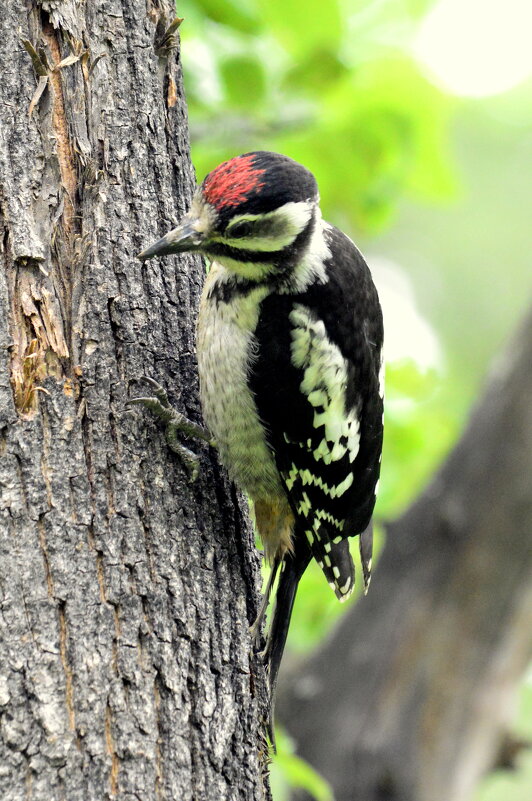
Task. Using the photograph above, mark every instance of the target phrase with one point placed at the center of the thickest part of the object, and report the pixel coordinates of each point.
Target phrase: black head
(257, 183)
(252, 212)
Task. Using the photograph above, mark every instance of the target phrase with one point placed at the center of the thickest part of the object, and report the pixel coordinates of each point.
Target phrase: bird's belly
(226, 344)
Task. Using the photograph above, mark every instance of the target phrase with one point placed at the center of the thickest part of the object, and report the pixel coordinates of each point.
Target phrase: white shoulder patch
(382, 370)
(311, 268)
(325, 385)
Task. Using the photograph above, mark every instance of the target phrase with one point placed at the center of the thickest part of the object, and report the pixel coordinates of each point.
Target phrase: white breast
(226, 348)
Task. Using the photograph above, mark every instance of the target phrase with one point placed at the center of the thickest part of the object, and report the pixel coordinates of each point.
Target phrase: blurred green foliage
(335, 86)
(330, 84)
(289, 772)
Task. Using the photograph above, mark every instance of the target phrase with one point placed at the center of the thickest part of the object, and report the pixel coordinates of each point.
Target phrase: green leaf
(316, 72)
(303, 26)
(289, 769)
(238, 14)
(382, 124)
(244, 80)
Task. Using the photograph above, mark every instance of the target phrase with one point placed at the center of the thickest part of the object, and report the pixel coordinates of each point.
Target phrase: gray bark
(413, 695)
(125, 592)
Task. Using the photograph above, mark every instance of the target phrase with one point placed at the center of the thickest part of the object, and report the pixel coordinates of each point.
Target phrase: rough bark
(412, 696)
(125, 592)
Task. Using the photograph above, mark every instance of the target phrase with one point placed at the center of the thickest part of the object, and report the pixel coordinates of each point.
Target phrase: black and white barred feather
(316, 381)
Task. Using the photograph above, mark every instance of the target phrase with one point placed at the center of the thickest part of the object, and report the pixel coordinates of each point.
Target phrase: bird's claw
(158, 391)
(175, 422)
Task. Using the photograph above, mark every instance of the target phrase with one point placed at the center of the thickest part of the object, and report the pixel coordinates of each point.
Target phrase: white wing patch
(304, 505)
(333, 492)
(314, 532)
(307, 478)
(324, 383)
(321, 514)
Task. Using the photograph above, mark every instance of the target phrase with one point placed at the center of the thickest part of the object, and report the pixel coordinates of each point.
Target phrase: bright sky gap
(476, 48)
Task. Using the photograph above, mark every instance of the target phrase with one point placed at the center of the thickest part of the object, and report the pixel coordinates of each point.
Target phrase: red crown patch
(231, 183)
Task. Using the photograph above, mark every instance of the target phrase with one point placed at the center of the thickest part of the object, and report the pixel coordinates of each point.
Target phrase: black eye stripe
(278, 257)
(258, 228)
(240, 229)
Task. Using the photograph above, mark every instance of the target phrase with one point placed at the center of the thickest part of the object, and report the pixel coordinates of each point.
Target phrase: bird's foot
(175, 422)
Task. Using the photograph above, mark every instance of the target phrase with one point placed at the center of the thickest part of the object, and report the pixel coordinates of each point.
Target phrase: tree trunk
(412, 696)
(125, 592)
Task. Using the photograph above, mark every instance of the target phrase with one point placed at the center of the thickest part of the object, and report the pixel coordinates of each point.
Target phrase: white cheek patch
(325, 384)
(294, 216)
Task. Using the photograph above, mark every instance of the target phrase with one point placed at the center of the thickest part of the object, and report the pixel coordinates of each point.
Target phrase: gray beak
(183, 238)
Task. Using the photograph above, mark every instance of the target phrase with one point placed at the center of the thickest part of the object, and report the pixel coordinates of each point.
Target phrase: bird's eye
(240, 229)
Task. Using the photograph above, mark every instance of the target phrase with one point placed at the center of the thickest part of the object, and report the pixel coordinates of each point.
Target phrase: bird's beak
(184, 237)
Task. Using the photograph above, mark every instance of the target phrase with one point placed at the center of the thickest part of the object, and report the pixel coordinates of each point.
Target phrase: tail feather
(366, 552)
(335, 560)
(293, 567)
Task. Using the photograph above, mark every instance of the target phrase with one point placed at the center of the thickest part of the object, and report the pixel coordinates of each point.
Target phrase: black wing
(316, 383)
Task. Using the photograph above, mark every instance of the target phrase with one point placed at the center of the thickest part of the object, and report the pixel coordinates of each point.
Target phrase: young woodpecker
(289, 347)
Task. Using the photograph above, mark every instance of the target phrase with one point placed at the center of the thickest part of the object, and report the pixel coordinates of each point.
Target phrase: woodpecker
(289, 348)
